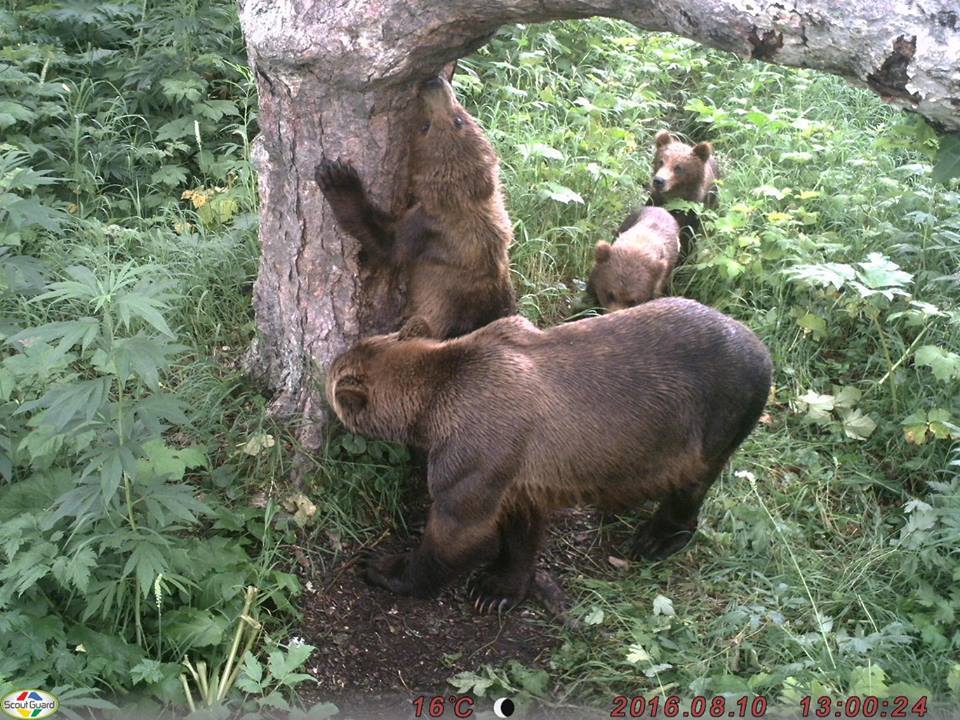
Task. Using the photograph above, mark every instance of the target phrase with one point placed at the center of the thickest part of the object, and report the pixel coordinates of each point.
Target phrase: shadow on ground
(376, 652)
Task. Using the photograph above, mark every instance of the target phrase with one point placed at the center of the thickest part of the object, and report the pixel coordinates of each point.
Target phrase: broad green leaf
(134, 304)
(147, 671)
(915, 428)
(561, 193)
(824, 275)
(846, 397)
(283, 665)
(947, 165)
(944, 363)
(636, 654)
(858, 426)
(663, 605)
(175, 129)
(70, 403)
(192, 627)
(170, 175)
(878, 271)
(529, 150)
(869, 680)
(813, 324)
(74, 570)
(216, 109)
(168, 462)
(251, 676)
(818, 407)
(258, 442)
(594, 617)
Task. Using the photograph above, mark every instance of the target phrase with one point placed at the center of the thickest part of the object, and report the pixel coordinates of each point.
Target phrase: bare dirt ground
(376, 651)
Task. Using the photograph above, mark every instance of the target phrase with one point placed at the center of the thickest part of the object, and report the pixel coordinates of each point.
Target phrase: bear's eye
(680, 170)
(457, 121)
(611, 297)
(658, 164)
(425, 127)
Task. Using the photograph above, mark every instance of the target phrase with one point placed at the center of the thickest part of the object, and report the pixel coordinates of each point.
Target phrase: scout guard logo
(30, 704)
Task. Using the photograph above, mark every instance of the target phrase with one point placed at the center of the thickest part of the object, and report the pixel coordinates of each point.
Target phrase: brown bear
(645, 403)
(681, 172)
(637, 267)
(452, 243)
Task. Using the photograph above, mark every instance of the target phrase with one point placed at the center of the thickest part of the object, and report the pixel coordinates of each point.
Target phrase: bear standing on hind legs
(452, 244)
(645, 403)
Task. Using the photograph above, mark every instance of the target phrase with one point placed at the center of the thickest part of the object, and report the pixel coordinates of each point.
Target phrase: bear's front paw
(655, 542)
(389, 572)
(337, 176)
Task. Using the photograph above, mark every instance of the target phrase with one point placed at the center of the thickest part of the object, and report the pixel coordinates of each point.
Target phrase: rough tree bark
(337, 79)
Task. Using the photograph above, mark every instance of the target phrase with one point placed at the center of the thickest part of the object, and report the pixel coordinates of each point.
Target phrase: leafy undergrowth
(143, 483)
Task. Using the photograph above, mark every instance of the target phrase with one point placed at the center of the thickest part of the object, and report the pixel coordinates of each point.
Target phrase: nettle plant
(105, 563)
(94, 483)
(876, 291)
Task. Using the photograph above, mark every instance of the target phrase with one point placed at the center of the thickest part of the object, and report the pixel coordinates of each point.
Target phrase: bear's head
(452, 160)
(624, 276)
(679, 169)
(371, 388)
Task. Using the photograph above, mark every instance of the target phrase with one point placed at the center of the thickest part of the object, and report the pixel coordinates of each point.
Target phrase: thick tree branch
(907, 51)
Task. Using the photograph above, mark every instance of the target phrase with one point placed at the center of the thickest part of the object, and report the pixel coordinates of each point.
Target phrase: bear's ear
(602, 251)
(350, 394)
(415, 327)
(703, 150)
(663, 138)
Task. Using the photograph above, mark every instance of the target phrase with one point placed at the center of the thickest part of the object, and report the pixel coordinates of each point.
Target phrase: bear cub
(452, 243)
(647, 403)
(637, 266)
(681, 172)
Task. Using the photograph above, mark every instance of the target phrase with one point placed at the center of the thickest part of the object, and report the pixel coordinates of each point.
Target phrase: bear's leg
(673, 524)
(452, 544)
(355, 213)
(506, 582)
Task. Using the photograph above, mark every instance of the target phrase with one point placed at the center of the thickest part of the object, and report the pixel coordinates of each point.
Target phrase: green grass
(827, 557)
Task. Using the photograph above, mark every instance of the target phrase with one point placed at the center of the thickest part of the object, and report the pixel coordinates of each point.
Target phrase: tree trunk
(337, 79)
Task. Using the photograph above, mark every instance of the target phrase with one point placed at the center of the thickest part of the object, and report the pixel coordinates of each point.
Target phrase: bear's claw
(655, 543)
(489, 595)
(337, 176)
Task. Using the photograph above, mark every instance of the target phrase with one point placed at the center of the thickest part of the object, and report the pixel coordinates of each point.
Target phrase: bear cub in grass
(452, 243)
(681, 172)
(645, 403)
(637, 267)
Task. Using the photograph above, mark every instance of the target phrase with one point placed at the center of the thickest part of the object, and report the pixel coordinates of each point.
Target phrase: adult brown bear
(645, 403)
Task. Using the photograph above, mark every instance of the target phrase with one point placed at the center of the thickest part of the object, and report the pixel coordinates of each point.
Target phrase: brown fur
(637, 267)
(452, 244)
(682, 172)
(646, 403)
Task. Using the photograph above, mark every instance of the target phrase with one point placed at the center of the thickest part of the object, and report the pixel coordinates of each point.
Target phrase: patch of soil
(379, 651)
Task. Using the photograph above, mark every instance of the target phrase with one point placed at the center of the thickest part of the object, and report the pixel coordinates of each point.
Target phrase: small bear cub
(683, 172)
(637, 266)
